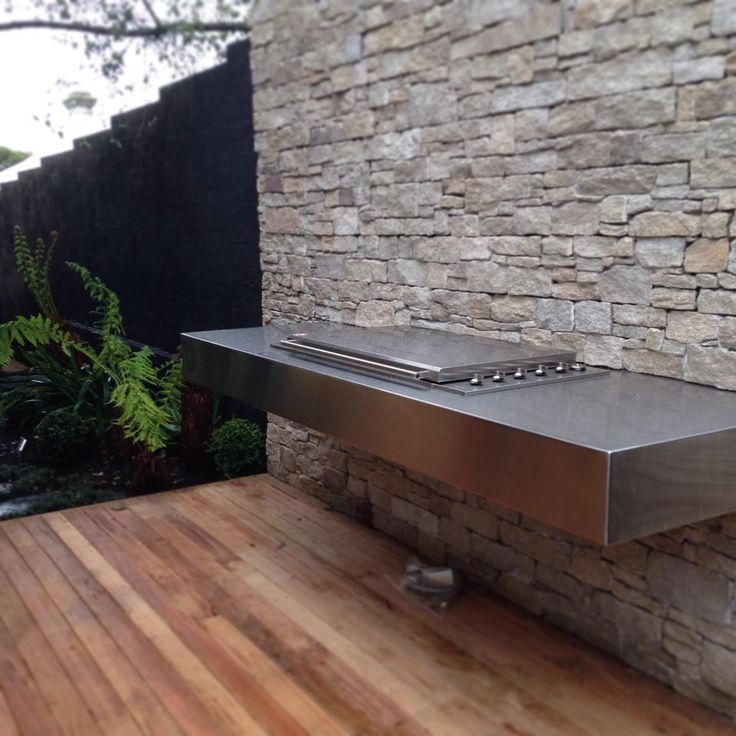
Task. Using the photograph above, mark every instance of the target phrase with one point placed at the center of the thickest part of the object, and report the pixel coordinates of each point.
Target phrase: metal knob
(520, 373)
(477, 379)
(561, 368)
(497, 377)
(577, 367)
(541, 371)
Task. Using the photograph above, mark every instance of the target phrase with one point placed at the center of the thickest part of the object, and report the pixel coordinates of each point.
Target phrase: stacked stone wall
(539, 172)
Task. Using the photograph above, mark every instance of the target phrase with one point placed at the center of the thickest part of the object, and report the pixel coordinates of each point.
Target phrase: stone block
(723, 18)
(575, 218)
(603, 350)
(663, 148)
(552, 552)
(529, 282)
(498, 556)
(539, 94)
(487, 277)
(513, 308)
(636, 109)
(717, 301)
(721, 141)
(542, 20)
(718, 667)
(590, 568)
(713, 173)
(711, 365)
(431, 104)
(532, 220)
(690, 71)
(693, 590)
(664, 298)
(624, 73)
(555, 315)
(636, 627)
(571, 118)
(399, 34)
(715, 99)
(516, 65)
(727, 333)
(690, 327)
(653, 362)
(624, 314)
(375, 314)
(664, 224)
(605, 181)
(660, 252)
(707, 256)
(625, 285)
(593, 317)
(590, 13)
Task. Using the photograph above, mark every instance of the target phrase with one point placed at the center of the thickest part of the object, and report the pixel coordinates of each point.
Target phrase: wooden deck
(243, 608)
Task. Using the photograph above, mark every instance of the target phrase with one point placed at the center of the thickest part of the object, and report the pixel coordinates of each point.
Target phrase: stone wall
(163, 207)
(533, 171)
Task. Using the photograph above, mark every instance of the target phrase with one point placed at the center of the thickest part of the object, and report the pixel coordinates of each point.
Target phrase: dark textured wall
(163, 207)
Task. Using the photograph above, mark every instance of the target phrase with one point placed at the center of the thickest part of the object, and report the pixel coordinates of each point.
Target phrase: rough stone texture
(539, 172)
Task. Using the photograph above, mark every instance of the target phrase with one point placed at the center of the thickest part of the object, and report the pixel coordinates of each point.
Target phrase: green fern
(38, 331)
(69, 372)
(34, 266)
(110, 319)
(142, 418)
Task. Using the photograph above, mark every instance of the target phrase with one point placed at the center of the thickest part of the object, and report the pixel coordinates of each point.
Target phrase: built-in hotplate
(428, 358)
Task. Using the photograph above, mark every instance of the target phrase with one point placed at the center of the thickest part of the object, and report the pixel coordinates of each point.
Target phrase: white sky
(38, 71)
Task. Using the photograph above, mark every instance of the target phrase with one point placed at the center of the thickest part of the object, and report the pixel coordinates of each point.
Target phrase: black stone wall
(163, 207)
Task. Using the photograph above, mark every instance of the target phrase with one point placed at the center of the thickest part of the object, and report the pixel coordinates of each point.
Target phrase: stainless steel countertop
(610, 458)
(615, 412)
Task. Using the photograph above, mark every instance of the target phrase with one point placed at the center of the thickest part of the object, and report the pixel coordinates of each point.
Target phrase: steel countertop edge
(608, 459)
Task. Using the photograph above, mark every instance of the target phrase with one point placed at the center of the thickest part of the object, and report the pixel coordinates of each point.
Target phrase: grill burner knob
(520, 373)
(541, 371)
(477, 379)
(561, 368)
(497, 377)
(578, 367)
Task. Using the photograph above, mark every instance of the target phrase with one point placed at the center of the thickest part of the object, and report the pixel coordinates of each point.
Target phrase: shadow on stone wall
(163, 207)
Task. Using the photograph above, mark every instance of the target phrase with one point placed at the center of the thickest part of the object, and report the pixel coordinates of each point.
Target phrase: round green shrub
(236, 447)
(62, 437)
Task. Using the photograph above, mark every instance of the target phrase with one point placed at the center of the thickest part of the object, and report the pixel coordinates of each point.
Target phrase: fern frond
(170, 394)
(110, 322)
(36, 331)
(142, 418)
(34, 266)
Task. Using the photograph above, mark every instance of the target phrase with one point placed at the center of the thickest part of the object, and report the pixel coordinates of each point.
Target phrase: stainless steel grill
(433, 359)
(609, 460)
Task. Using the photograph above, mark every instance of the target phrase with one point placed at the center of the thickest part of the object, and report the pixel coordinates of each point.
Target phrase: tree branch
(163, 29)
(152, 13)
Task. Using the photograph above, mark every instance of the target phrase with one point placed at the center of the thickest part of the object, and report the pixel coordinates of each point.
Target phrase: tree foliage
(9, 157)
(179, 31)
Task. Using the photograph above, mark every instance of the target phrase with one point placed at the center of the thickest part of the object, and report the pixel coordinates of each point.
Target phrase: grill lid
(460, 363)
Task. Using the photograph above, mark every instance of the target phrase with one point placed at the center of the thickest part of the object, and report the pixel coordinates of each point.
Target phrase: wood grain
(245, 608)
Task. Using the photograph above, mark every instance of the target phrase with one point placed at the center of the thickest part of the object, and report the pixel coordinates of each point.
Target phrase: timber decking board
(246, 608)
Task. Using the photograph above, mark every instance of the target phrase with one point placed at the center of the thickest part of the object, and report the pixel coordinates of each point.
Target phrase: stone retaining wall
(539, 172)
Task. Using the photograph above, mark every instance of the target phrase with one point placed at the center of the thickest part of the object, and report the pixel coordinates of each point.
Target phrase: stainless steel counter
(609, 459)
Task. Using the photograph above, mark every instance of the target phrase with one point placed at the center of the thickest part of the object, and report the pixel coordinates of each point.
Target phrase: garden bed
(29, 484)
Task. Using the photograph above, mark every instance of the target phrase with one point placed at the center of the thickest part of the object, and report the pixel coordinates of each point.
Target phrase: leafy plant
(236, 446)
(32, 479)
(62, 436)
(105, 383)
(34, 265)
